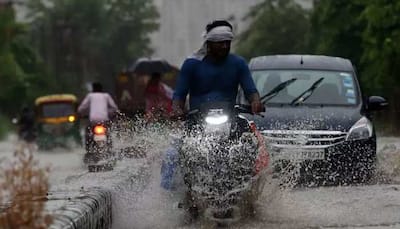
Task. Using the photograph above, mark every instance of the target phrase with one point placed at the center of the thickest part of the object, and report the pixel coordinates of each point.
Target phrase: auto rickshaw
(57, 120)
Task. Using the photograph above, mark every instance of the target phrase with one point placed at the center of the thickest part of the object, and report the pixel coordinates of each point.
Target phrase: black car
(316, 116)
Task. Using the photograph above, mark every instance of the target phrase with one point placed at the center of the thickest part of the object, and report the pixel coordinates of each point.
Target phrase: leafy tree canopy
(337, 28)
(92, 39)
(21, 75)
(381, 55)
(276, 27)
(365, 31)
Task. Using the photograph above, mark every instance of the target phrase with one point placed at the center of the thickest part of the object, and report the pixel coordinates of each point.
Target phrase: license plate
(100, 138)
(299, 154)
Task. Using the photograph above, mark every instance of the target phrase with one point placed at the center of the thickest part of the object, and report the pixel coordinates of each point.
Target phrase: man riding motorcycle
(27, 132)
(100, 106)
(26, 125)
(212, 74)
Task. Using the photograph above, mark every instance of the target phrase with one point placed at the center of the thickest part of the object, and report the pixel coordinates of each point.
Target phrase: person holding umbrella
(158, 98)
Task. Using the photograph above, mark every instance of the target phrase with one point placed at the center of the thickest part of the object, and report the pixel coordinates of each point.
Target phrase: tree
(21, 77)
(365, 31)
(381, 55)
(336, 29)
(11, 75)
(93, 39)
(369, 38)
(381, 49)
(276, 27)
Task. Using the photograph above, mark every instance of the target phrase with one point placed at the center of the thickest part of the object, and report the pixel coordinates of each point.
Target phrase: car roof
(315, 62)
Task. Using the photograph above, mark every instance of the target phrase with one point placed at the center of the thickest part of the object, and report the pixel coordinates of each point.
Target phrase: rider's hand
(257, 107)
(177, 113)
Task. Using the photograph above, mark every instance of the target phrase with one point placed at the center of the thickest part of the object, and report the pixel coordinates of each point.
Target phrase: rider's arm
(255, 97)
(84, 106)
(246, 81)
(111, 103)
(182, 85)
(249, 87)
(178, 106)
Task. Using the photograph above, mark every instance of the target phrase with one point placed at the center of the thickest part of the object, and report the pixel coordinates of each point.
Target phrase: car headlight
(361, 130)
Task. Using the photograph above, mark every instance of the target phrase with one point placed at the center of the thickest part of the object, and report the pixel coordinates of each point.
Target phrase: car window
(53, 110)
(336, 88)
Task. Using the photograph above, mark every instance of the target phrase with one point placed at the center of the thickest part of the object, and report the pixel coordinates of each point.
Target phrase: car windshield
(54, 110)
(336, 88)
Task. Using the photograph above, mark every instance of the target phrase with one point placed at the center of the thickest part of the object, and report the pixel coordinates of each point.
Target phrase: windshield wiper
(275, 91)
(301, 98)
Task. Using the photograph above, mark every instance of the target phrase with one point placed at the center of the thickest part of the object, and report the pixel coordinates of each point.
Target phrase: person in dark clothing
(213, 74)
(26, 125)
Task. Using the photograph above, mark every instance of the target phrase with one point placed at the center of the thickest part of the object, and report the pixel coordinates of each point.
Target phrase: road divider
(83, 209)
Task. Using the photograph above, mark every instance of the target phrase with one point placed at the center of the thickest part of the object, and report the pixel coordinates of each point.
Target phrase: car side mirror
(376, 103)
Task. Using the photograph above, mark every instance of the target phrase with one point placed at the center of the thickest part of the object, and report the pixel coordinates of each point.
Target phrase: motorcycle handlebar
(241, 108)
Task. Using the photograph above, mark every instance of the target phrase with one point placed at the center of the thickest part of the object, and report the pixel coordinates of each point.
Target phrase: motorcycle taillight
(99, 130)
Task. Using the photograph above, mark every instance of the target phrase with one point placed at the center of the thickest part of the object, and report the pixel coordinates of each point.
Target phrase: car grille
(303, 139)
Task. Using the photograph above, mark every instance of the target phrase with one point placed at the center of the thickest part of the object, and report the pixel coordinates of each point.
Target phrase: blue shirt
(208, 81)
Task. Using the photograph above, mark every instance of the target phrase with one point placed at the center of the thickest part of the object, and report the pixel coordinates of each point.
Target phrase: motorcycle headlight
(217, 125)
(361, 130)
(216, 120)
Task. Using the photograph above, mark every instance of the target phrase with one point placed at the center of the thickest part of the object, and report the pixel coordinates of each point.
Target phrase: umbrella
(148, 66)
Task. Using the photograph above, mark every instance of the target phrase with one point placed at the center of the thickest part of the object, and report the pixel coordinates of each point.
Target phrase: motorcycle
(223, 159)
(27, 134)
(99, 155)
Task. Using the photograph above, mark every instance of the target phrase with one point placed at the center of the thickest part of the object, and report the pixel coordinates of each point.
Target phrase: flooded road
(360, 206)
(139, 202)
(62, 162)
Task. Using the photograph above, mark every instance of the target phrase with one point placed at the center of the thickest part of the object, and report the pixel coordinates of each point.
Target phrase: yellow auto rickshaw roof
(56, 98)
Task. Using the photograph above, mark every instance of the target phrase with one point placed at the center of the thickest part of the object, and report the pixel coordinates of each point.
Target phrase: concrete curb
(86, 209)
(74, 206)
